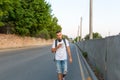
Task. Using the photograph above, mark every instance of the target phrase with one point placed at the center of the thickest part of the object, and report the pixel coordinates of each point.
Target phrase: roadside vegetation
(32, 18)
(96, 35)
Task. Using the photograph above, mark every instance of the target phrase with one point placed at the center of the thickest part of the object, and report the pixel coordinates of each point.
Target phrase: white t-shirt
(61, 53)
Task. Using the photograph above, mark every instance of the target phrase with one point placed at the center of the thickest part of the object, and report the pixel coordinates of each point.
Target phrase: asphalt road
(35, 64)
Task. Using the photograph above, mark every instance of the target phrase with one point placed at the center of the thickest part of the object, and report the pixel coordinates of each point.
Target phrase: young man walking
(60, 48)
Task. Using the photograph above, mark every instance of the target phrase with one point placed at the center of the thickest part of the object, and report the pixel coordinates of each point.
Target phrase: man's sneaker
(63, 78)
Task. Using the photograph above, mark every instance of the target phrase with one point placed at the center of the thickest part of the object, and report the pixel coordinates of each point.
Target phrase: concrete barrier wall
(13, 41)
(104, 54)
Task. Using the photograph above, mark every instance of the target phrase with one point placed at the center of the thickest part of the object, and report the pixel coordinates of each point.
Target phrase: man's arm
(69, 54)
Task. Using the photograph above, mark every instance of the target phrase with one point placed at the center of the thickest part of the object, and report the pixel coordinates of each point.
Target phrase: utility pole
(90, 21)
(81, 27)
(78, 34)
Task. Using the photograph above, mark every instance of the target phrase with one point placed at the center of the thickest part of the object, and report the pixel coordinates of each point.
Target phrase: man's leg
(64, 68)
(59, 69)
(60, 76)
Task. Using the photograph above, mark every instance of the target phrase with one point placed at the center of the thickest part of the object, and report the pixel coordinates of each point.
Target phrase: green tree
(77, 38)
(28, 18)
(44, 34)
(5, 21)
(95, 36)
(65, 36)
(53, 27)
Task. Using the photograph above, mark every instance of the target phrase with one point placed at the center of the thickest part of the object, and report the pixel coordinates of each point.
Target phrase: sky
(106, 16)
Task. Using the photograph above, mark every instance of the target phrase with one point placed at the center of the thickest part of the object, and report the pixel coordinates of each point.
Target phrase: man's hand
(59, 46)
(53, 50)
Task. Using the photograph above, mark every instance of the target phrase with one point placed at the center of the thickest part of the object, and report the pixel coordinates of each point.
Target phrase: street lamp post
(90, 21)
(78, 34)
(81, 27)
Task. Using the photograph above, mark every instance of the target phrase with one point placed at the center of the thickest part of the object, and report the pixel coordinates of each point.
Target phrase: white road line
(80, 66)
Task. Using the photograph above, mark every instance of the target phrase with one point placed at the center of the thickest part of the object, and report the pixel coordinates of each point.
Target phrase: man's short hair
(58, 31)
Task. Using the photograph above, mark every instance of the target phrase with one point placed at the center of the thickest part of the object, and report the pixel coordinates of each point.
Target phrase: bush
(85, 54)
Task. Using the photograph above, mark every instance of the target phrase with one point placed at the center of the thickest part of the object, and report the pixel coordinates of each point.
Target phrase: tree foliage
(95, 36)
(28, 18)
(78, 38)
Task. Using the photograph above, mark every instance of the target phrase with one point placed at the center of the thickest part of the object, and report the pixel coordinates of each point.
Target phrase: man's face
(59, 35)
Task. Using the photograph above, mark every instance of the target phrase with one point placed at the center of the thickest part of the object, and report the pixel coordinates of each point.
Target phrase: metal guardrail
(91, 74)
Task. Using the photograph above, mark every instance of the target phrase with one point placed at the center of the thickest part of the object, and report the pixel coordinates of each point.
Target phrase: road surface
(35, 64)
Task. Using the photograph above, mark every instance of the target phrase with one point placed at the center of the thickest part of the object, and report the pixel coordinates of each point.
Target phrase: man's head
(59, 35)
